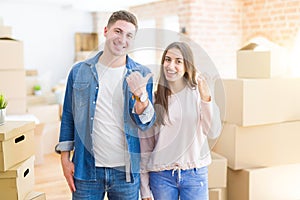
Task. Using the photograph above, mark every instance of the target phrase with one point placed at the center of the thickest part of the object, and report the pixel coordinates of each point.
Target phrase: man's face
(119, 37)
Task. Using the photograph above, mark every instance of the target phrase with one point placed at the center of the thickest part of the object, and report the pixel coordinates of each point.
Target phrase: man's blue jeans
(189, 184)
(110, 180)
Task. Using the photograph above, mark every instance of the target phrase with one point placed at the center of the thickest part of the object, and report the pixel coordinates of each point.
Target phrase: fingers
(71, 184)
(68, 170)
(136, 81)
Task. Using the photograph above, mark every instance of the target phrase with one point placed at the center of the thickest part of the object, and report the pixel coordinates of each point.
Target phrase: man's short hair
(122, 15)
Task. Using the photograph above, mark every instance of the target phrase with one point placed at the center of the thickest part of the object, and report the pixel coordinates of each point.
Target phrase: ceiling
(87, 5)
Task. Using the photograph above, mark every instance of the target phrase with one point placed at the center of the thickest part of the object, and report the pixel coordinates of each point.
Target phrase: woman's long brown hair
(163, 89)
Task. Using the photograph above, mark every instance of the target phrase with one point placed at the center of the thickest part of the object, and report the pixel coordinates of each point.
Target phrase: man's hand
(137, 83)
(68, 169)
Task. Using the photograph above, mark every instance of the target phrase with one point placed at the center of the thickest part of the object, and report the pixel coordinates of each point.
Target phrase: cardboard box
(18, 181)
(273, 183)
(16, 106)
(268, 62)
(11, 54)
(217, 194)
(12, 83)
(259, 146)
(46, 98)
(250, 102)
(50, 137)
(5, 32)
(39, 146)
(217, 171)
(16, 143)
(46, 113)
(35, 196)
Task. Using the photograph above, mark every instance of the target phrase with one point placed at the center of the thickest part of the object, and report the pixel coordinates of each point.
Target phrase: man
(108, 97)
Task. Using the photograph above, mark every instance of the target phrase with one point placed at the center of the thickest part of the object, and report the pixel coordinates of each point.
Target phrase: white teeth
(171, 72)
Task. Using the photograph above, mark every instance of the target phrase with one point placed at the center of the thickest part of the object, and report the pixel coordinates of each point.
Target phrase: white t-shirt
(108, 134)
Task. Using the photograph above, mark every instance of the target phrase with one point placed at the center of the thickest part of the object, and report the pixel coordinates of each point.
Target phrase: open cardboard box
(261, 61)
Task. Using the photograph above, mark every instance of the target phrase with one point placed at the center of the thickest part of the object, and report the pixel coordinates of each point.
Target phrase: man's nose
(122, 38)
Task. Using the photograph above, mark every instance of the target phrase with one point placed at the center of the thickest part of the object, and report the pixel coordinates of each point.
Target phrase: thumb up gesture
(137, 83)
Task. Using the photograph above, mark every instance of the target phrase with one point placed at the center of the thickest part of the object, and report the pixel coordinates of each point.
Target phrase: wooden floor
(50, 180)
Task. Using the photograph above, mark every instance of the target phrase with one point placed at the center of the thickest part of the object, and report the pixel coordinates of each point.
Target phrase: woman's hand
(203, 88)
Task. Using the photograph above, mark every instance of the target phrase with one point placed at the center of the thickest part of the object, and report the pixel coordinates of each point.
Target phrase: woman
(175, 152)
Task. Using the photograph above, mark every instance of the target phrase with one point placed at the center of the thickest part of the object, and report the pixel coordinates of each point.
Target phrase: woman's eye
(167, 59)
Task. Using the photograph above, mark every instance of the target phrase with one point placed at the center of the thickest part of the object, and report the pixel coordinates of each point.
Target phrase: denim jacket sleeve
(66, 138)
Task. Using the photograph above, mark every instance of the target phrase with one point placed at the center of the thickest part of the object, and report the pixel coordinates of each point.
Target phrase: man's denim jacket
(78, 114)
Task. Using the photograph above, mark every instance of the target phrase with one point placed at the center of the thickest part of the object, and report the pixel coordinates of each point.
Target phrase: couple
(115, 130)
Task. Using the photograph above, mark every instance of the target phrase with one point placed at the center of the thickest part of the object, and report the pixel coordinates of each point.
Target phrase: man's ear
(105, 31)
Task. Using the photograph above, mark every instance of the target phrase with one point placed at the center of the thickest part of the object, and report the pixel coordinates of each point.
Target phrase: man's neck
(112, 61)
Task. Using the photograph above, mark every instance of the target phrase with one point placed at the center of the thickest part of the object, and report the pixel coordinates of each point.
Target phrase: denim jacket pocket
(81, 92)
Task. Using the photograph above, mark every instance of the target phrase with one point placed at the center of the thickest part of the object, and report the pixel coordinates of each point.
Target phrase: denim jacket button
(92, 118)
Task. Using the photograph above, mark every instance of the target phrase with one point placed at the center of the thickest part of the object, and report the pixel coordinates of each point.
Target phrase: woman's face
(173, 65)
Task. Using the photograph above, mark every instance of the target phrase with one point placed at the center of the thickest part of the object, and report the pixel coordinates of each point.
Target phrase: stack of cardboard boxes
(22, 144)
(261, 131)
(47, 111)
(17, 161)
(217, 177)
(12, 72)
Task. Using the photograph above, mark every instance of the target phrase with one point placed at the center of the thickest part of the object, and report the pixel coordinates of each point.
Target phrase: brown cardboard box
(46, 113)
(250, 102)
(39, 146)
(18, 181)
(35, 196)
(217, 171)
(12, 55)
(45, 98)
(259, 146)
(12, 83)
(217, 194)
(50, 137)
(273, 183)
(16, 106)
(5, 32)
(16, 143)
(267, 63)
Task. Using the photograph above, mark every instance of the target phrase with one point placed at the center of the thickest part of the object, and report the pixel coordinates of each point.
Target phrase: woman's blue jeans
(110, 180)
(191, 184)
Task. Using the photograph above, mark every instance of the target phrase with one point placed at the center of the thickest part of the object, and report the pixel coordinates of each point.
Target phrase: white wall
(47, 32)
